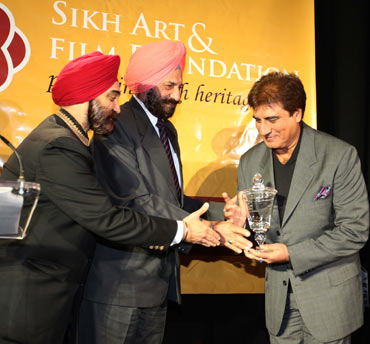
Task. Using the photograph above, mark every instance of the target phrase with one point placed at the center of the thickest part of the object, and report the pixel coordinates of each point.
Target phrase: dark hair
(286, 89)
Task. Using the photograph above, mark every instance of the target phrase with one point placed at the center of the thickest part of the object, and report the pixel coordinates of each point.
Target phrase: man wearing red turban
(126, 293)
(42, 276)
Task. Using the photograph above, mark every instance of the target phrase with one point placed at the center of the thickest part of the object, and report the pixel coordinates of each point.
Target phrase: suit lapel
(266, 168)
(152, 144)
(303, 172)
(267, 171)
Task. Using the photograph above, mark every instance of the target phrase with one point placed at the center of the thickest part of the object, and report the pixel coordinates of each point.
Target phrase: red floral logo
(15, 49)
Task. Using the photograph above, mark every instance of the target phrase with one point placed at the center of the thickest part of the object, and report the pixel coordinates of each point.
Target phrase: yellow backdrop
(230, 44)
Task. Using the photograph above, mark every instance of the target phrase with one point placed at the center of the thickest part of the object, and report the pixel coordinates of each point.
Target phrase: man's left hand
(269, 253)
(234, 212)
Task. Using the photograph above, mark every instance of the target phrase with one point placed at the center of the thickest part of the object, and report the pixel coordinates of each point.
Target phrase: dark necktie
(166, 145)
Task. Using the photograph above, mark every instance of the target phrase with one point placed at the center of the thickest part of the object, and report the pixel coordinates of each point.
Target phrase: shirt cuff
(180, 233)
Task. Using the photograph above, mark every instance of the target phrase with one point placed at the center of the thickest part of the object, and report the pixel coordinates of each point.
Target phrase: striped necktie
(166, 145)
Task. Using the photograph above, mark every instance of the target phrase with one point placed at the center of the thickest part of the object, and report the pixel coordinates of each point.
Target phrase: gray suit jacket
(323, 236)
(133, 167)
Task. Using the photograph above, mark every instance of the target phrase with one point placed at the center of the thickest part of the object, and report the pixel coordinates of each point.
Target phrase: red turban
(151, 63)
(85, 78)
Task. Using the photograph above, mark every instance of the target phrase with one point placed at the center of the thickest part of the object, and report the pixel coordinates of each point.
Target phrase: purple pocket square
(323, 193)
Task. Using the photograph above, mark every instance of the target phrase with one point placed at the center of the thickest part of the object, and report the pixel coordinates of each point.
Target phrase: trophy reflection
(260, 200)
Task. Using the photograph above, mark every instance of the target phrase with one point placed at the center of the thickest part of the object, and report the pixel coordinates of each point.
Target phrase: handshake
(230, 233)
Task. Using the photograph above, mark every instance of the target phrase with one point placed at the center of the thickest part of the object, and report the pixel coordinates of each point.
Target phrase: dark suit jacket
(134, 169)
(40, 275)
(323, 236)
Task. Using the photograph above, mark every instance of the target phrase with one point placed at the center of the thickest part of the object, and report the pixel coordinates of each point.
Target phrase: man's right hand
(200, 231)
(232, 236)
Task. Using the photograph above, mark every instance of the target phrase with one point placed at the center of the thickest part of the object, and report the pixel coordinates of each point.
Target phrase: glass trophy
(18, 200)
(260, 200)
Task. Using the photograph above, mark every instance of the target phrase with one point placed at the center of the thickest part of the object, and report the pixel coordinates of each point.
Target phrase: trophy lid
(259, 186)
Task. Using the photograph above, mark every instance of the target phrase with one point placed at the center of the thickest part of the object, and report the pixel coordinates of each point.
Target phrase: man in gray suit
(319, 223)
(139, 165)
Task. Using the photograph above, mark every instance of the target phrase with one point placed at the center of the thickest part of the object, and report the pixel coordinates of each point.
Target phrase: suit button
(285, 283)
(278, 232)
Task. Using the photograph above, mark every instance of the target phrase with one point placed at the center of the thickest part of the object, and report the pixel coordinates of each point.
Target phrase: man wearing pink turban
(42, 276)
(126, 293)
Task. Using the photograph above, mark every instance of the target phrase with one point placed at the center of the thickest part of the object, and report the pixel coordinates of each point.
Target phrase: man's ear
(298, 114)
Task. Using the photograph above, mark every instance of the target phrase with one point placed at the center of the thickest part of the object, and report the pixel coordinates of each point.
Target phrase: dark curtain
(342, 72)
(342, 77)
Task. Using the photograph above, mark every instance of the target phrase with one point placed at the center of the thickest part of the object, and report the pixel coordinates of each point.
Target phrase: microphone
(9, 144)
(21, 170)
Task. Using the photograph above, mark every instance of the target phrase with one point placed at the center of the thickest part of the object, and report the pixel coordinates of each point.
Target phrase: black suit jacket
(40, 275)
(134, 169)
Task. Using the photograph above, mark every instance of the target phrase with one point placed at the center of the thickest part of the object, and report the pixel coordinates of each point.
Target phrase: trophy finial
(257, 179)
(258, 182)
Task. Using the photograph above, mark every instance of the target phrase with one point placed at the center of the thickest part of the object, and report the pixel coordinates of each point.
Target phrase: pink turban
(85, 78)
(151, 63)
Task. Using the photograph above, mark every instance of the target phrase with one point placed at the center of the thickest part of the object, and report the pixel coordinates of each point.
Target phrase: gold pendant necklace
(74, 128)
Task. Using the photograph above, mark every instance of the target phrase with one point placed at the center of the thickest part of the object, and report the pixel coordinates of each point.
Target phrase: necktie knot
(160, 124)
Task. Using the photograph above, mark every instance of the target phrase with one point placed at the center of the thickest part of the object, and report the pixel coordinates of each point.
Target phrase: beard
(101, 119)
(162, 108)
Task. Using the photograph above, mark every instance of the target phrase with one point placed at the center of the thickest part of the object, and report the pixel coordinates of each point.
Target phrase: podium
(18, 200)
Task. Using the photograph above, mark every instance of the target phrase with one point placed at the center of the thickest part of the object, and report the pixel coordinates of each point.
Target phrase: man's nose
(116, 106)
(176, 94)
(264, 128)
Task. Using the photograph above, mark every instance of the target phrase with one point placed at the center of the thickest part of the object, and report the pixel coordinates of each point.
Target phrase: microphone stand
(21, 170)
